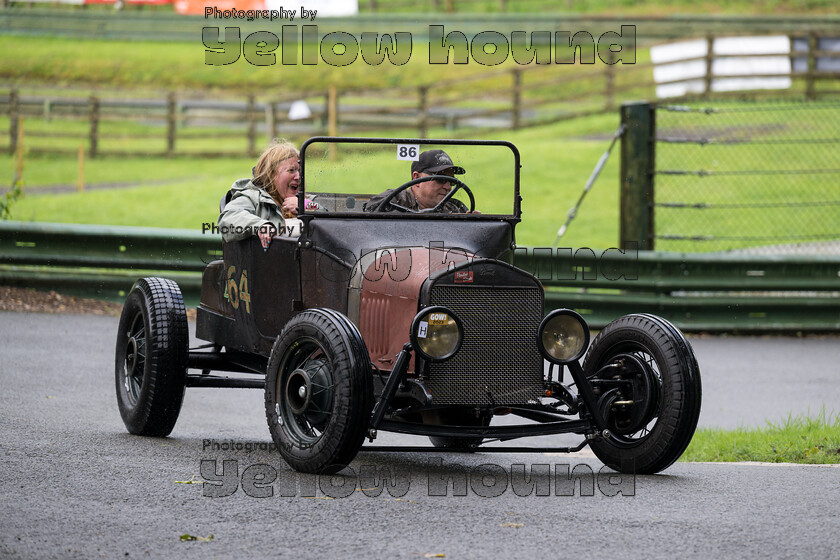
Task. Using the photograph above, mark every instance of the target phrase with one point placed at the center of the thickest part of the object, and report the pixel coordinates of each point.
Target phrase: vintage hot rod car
(411, 322)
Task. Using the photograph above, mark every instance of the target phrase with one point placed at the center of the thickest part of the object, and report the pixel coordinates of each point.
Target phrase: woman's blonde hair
(279, 150)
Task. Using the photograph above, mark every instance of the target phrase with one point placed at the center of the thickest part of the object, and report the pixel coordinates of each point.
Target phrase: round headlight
(563, 336)
(436, 333)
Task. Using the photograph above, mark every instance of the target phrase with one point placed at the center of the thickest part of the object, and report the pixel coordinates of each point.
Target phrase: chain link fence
(751, 176)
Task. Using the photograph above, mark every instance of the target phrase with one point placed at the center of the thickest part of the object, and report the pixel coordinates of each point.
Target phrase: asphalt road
(75, 484)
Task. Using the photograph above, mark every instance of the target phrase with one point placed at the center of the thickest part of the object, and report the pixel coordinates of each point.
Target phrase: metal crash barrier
(698, 292)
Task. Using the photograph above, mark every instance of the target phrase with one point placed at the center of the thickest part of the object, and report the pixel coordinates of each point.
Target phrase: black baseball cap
(435, 161)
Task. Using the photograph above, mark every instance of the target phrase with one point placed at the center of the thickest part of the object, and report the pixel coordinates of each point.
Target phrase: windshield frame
(517, 199)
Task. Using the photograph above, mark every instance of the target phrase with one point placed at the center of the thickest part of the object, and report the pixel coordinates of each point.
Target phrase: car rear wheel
(650, 393)
(318, 395)
(151, 357)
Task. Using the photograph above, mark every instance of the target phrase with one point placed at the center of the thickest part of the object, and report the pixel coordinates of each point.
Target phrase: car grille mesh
(499, 362)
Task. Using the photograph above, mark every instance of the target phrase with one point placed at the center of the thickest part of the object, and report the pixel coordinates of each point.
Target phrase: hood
(247, 185)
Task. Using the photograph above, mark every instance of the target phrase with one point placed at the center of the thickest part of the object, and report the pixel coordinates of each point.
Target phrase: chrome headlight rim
(415, 328)
(544, 324)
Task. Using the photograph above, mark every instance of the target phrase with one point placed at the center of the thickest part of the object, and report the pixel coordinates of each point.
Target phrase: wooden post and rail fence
(172, 123)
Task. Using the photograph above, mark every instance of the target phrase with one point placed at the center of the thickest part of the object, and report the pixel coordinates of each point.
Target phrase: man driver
(425, 194)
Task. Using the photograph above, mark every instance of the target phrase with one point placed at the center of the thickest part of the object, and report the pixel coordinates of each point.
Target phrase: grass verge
(184, 192)
(799, 439)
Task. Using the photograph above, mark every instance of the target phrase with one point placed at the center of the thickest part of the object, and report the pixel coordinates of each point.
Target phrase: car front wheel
(648, 382)
(318, 395)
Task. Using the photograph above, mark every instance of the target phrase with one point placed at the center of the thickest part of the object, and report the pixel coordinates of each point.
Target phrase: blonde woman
(259, 205)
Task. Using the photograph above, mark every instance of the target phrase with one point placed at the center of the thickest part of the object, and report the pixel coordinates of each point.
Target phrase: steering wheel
(458, 184)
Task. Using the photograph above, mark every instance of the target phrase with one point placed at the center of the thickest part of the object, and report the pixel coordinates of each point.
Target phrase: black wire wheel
(649, 392)
(318, 395)
(151, 357)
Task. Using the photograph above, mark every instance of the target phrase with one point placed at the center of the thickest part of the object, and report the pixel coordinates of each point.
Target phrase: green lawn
(799, 439)
(57, 62)
(184, 192)
(590, 7)
(614, 7)
(114, 69)
(770, 171)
